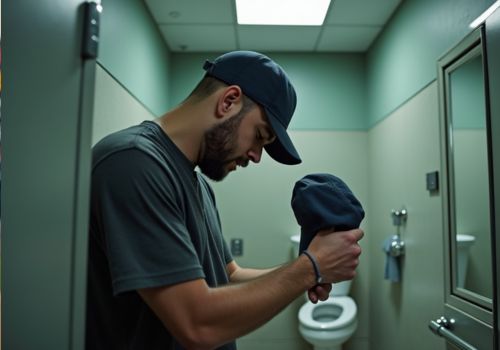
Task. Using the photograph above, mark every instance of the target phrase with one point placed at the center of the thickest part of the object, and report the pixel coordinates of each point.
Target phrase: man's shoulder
(142, 149)
(138, 137)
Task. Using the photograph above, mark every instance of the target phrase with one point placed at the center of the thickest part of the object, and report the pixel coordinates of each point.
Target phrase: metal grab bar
(442, 328)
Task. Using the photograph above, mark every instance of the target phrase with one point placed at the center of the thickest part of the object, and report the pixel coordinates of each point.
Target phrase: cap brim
(282, 149)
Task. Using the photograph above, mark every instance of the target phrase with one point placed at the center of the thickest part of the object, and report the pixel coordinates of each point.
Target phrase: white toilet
(328, 324)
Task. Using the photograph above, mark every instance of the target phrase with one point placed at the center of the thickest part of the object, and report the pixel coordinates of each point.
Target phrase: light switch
(433, 181)
(237, 246)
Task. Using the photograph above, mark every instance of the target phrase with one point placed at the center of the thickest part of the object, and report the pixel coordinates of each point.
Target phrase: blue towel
(392, 269)
(323, 201)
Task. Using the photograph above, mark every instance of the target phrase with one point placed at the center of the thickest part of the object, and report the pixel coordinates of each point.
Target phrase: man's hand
(319, 292)
(337, 254)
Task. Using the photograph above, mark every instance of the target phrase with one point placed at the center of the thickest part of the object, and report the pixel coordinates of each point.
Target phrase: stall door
(46, 116)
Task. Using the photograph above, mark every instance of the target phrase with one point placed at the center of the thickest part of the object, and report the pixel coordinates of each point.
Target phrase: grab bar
(442, 327)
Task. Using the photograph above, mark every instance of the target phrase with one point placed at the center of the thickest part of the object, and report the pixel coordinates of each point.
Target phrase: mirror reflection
(471, 224)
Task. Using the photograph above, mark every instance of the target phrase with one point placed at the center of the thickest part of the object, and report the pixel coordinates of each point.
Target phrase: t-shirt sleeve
(227, 253)
(141, 223)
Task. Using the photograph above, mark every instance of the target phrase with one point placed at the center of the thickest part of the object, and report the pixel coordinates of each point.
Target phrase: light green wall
(402, 148)
(330, 90)
(186, 72)
(114, 107)
(403, 59)
(352, 95)
(330, 87)
(132, 50)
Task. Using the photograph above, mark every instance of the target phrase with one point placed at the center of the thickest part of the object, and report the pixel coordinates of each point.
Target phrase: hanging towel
(322, 201)
(392, 269)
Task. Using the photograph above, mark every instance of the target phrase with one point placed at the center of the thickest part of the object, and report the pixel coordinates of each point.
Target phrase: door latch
(90, 42)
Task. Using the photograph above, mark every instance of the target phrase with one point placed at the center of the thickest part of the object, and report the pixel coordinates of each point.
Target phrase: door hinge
(91, 25)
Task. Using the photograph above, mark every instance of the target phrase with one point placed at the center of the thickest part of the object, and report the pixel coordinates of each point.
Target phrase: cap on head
(266, 83)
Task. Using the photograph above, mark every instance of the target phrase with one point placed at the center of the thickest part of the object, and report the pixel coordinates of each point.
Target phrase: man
(160, 275)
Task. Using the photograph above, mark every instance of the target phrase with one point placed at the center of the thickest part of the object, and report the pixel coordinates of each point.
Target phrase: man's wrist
(315, 265)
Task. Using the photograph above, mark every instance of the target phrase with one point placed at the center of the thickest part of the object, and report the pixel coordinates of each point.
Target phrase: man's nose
(255, 154)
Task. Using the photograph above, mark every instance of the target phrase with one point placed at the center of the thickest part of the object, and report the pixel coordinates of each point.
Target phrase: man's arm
(237, 273)
(200, 317)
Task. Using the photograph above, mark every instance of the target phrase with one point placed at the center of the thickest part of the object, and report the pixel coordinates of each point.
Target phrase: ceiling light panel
(279, 12)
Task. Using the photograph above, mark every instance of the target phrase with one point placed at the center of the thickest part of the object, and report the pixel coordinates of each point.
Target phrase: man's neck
(184, 127)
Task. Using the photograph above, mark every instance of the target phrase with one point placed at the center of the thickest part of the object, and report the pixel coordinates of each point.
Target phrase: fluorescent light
(485, 15)
(279, 12)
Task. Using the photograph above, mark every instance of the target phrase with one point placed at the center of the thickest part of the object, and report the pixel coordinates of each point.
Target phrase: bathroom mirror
(467, 177)
(468, 143)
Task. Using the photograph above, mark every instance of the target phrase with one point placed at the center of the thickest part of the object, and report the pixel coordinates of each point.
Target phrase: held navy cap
(266, 83)
(323, 201)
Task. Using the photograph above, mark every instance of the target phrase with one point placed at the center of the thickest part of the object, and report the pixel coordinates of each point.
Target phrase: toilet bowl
(328, 324)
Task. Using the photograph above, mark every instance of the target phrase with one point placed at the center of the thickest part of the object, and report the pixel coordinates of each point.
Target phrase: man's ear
(229, 101)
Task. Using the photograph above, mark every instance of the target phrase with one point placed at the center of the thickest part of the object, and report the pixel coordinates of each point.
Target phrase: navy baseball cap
(323, 201)
(266, 83)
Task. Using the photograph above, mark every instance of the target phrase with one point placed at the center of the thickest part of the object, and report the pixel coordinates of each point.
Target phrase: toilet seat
(347, 311)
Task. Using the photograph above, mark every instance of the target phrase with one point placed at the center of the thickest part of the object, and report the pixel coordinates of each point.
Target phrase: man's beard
(220, 142)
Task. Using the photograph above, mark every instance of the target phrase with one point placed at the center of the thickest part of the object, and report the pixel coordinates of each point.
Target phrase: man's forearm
(205, 318)
(261, 297)
(241, 274)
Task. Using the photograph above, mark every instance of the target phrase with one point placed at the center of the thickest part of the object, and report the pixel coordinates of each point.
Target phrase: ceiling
(211, 26)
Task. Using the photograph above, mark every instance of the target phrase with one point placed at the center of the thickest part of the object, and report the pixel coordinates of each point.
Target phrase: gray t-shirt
(153, 222)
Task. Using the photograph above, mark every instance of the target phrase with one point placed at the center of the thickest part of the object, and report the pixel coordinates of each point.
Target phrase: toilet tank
(464, 243)
(295, 240)
(341, 288)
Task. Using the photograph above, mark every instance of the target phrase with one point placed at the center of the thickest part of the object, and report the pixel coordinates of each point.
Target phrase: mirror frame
(492, 35)
(473, 313)
(467, 56)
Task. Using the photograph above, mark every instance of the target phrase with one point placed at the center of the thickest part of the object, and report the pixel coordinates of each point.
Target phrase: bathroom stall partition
(46, 122)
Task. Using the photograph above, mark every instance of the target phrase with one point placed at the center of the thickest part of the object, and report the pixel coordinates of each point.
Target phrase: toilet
(328, 324)
(464, 244)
